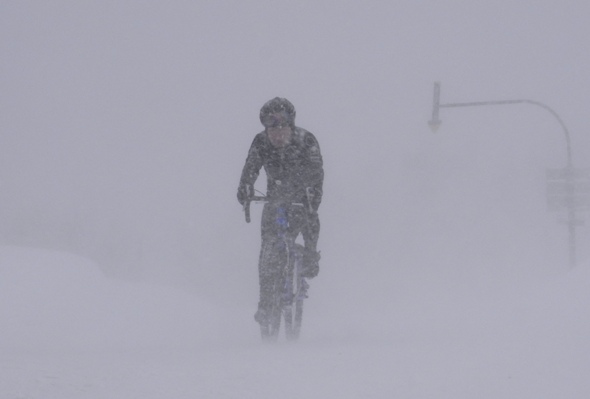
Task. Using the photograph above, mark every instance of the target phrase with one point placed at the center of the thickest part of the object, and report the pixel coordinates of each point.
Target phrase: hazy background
(124, 127)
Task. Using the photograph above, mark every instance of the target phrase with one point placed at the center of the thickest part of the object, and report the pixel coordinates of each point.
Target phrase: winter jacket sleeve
(314, 169)
(250, 171)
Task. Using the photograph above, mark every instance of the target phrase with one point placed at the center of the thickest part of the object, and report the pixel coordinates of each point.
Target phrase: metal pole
(571, 226)
(435, 122)
(546, 107)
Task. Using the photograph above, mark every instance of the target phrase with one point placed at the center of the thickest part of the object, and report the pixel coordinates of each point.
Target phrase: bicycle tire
(300, 287)
(288, 292)
(292, 315)
(275, 323)
(298, 319)
(270, 331)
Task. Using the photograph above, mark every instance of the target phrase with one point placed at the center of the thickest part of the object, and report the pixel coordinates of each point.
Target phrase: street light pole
(435, 122)
(569, 173)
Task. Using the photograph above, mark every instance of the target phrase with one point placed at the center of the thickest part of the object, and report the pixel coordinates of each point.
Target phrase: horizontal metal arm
(544, 106)
(435, 121)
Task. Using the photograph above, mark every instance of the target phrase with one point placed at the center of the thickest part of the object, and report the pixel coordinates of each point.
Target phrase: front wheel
(293, 319)
(288, 291)
(294, 314)
(270, 331)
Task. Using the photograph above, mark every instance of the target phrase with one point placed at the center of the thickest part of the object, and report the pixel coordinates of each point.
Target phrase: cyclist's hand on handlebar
(311, 265)
(244, 193)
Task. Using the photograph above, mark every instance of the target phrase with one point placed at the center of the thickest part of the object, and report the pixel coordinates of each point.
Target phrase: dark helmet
(276, 112)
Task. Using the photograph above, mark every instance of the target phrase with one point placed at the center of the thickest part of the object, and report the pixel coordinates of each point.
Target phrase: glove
(244, 193)
(312, 200)
(311, 266)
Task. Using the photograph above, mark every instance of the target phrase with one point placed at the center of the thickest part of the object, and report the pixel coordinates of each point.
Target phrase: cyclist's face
(280, 135)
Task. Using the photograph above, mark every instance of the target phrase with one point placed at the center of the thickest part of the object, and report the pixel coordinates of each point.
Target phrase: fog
(125, 125)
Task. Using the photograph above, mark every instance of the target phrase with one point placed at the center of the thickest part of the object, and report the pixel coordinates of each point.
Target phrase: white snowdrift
(52, 301)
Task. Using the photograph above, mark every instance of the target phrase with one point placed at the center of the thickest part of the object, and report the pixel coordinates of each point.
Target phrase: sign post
(569, 188)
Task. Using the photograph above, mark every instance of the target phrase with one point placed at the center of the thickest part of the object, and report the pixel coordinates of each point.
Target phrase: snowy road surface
(68, 332)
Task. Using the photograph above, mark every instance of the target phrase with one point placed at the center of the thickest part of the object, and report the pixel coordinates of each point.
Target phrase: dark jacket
(289, 170)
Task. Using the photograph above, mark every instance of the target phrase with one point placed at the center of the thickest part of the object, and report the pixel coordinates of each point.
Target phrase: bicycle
(289, 288)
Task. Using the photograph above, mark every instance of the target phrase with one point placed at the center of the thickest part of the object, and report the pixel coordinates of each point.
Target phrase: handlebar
(258, 198)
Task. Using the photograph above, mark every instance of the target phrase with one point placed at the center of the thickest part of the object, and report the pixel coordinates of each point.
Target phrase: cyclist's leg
(308, 225)
(273, 259)
(267, 275)
(311, 231)
(267, 269)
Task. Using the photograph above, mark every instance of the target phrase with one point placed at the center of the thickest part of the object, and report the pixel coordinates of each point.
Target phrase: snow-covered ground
(69, 332)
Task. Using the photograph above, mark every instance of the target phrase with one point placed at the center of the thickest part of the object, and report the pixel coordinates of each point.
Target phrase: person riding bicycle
(293, 164)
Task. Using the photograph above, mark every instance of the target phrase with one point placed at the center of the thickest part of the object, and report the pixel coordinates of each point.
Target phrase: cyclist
(293, 164)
